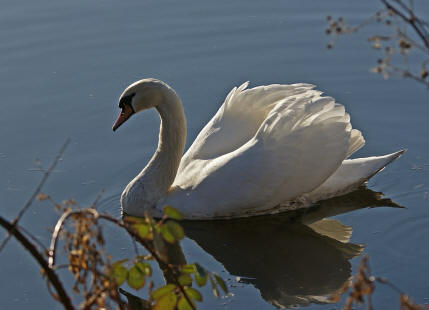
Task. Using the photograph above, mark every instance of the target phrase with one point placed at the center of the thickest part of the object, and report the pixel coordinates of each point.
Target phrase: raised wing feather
(301, 140)
(238, 119)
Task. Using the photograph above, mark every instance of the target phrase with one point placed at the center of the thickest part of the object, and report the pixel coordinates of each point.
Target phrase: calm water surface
(64, 64)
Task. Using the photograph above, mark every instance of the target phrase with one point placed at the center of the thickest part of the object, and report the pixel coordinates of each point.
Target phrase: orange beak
(125, 114)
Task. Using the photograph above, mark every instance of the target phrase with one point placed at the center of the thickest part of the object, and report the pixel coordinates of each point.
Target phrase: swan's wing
(301, 142)
(238, 119)
(351, 174)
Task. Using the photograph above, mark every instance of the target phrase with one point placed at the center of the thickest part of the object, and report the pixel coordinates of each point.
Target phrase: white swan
(268, 149)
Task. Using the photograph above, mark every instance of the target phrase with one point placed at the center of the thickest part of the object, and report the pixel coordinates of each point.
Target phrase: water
(64, 64)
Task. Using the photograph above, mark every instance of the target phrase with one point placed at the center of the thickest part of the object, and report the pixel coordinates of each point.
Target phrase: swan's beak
(125, 114)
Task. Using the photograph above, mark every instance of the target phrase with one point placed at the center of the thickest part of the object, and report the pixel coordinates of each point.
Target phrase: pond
(64, 65)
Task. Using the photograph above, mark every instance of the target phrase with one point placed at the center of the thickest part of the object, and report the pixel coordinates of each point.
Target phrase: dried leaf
(42, 197)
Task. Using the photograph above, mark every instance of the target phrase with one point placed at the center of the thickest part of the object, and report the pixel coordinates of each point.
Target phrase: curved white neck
(154, 181)
(171, 144)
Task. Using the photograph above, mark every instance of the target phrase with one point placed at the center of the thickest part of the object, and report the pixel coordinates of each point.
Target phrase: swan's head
(140, 96)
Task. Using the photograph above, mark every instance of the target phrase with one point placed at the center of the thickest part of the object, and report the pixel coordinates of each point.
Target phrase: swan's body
(268, 149)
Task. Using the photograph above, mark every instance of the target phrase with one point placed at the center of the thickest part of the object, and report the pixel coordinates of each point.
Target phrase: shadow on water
(294, 258)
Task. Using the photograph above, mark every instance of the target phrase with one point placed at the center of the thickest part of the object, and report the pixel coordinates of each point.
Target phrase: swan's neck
(172, 137)
(154, 181)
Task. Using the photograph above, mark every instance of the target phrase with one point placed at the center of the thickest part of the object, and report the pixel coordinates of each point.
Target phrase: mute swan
(268, 149)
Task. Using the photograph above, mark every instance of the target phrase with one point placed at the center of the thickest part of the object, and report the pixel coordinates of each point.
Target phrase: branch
(161, 262)
(51, 275)
(410, 20)
(35, 193)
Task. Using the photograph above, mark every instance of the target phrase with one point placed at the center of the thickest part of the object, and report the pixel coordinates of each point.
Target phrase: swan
(268, 149)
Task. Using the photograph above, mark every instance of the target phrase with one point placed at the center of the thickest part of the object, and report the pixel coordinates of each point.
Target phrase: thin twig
(35, 193)
(97, 199)
(32, 237)
(410, 20)
(51, 275)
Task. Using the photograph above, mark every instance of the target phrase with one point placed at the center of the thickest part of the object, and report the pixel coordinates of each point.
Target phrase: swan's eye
(126, 100)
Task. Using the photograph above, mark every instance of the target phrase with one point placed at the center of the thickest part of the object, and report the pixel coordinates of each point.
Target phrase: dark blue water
(64, 64)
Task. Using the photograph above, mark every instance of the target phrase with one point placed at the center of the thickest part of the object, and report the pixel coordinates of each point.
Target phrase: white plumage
(268, 149)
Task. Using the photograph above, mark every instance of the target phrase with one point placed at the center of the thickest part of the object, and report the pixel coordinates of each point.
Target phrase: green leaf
(185, 280)
(201, 281)
(135, 302)
(159, 244)
(118, 272)
(172, 213)
(135, 278)
(183, 304)
(221, 283)
(166, 302)
(214, 287)
(201, 271)
(133, 219)
(166, 234)
(158, 293)
(193, 294)
(175, 229)
(145, 268)
(188, 268)
(142, 229)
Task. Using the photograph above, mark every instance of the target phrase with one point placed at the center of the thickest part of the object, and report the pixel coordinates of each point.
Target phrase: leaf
(183, 304)
(142, 229)
(201, 271)
(221, 283)
(176, 229)
(167, 234)
(118, 272)
(135, 278)
(135, 302)
(188, 268)
(158, 293)
(185, 280)
(166, 302)
(145, 268)
(42, 197)
(172, 213)
(201, 281)
(193, 293)
(214, 287)
(133, 219)
(159, 244)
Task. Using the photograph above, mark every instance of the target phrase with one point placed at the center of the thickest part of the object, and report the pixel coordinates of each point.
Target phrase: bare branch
(412, 20)
(50, 274)
(35, 193)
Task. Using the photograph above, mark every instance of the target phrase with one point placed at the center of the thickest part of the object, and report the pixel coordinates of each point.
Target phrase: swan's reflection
(293, 258)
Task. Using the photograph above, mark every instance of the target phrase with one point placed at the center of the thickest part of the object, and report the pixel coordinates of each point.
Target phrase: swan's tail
(351, 174)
